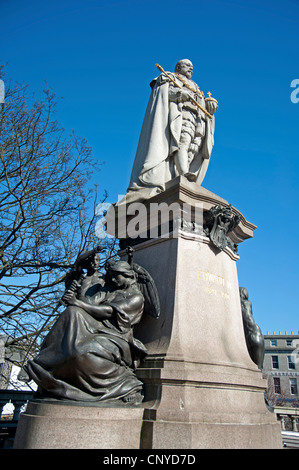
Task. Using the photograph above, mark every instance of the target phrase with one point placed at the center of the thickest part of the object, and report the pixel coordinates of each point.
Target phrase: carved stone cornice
(188, 198)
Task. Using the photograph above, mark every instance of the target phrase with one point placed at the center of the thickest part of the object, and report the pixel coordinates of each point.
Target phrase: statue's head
(120, 273)
(243, 293)
(184, 67)
(121, 267)
(88, 260)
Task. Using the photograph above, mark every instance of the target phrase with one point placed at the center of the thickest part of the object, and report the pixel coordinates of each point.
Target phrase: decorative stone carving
(219, 221)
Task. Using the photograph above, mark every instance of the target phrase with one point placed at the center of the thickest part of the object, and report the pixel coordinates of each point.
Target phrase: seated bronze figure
(91, 353)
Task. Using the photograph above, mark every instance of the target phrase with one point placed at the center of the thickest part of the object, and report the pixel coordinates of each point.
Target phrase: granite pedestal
(202, 389)
(47, 425)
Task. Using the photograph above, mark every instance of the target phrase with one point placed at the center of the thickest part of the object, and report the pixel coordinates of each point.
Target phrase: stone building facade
(281, 369)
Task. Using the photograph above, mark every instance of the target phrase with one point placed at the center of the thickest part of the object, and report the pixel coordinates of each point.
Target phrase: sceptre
(179, 86)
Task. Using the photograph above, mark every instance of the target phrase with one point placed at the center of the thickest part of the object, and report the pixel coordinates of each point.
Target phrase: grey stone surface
(58, 426)
(202, 389)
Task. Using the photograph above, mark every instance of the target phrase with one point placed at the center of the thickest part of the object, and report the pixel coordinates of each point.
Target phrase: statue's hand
(69, 298)
(178, 95)
(185, 96)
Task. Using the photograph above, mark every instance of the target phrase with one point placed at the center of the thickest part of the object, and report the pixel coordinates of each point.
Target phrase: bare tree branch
(47, 211)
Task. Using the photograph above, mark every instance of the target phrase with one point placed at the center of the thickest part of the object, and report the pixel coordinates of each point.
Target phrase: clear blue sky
(100, 55)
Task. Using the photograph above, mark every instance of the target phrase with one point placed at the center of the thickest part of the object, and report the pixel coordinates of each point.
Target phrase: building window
(293, 386)
(289, 342)
(275, 362)
(276, 385)
(291, 362)
(273, 342)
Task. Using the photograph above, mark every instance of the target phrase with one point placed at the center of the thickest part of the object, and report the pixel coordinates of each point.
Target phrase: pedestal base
(207, 407)
(209, 436)
(58, 426)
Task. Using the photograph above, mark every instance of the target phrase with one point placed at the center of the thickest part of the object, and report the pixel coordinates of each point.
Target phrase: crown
(210, 97)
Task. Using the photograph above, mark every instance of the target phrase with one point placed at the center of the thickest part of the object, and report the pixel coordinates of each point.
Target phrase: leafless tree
(47, 209)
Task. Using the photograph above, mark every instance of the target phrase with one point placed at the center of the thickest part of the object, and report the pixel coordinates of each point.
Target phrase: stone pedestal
(65, 426)
(202, 389)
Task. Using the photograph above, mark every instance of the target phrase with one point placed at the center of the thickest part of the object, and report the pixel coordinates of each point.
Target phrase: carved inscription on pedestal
(215, 284)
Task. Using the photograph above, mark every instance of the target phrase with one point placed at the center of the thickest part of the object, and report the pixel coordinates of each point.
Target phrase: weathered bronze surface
(91, 353)
(219, 221)
(253, 334)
